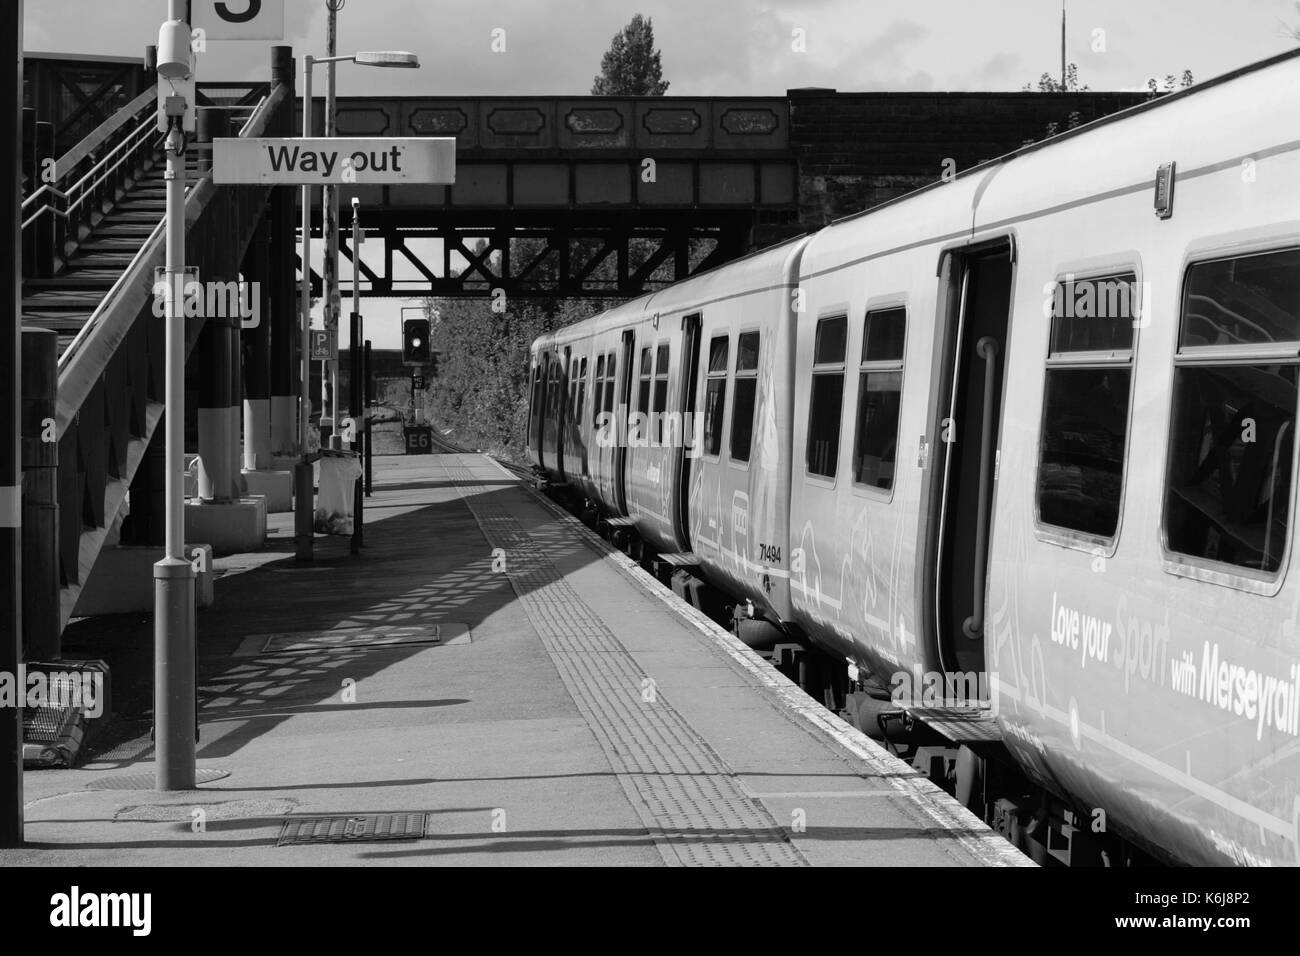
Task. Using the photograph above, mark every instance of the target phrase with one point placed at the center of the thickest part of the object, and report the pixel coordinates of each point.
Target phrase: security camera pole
(174, 705)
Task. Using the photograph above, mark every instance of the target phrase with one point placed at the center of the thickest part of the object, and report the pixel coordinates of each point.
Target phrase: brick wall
(857, 150)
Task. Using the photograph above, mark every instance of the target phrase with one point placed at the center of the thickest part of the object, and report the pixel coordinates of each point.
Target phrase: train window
(827, 396)
(582, 390)
(661, 391)
(880, 389)
(1229, 485)
(535, 409)
(555, 393)
(609, 383)
(643, 387)
(597, 391)
(742, 409)
(1086, 404)
(715, 395)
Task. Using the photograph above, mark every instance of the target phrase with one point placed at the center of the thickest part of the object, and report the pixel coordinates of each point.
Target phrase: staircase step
(120, 216)
(101, 279)
(105, 262)
(59, 303)
(125, 230)
(56, 321)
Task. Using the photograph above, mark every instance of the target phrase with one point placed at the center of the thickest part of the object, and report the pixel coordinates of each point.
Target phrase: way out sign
(312, 162)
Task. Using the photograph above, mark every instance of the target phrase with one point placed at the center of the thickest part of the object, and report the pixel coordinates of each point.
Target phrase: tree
(1049, 84)
(1171, 83)
(631, 66)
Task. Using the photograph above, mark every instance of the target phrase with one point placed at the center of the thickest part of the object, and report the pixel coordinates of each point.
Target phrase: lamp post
(174, 637)
(303, 484)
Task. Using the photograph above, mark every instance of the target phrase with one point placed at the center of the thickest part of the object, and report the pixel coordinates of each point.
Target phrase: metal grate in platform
(346, 638)
(352, 828)
(146, 781)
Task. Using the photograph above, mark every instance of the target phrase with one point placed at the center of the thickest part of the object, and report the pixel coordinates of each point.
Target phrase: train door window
(715, 395)
(610, 380)
(553, 396)
(1229, 480)
(827, 396)
(597, 391)
(646, 378)
(661, 391)
(1086, 395)
(880, 390)
(742, 407)
(535, 409)
(582, 391)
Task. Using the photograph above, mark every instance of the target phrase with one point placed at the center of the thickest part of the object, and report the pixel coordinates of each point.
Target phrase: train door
(625, 392)
(972, 352)
(562, 411)
(686, 433)
(536, 409)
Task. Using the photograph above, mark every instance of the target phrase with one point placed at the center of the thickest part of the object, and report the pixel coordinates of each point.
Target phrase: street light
(303, 483)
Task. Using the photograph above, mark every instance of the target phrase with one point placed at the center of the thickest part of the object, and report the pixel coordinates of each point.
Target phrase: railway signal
(415, 343)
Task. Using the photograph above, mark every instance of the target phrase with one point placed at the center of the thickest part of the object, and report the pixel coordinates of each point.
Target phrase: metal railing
(56, 217)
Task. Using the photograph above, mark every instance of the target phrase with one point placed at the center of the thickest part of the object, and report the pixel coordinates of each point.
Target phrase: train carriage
(1029, 432)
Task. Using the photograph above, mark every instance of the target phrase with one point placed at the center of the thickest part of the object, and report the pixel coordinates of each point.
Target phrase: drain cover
(356, 828)
(147, 781)
(349, 637)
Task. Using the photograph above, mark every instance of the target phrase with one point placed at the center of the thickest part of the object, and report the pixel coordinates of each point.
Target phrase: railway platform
(495, 684)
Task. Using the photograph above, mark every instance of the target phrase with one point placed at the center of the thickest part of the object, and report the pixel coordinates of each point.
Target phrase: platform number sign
(419, 439)
(239, 19)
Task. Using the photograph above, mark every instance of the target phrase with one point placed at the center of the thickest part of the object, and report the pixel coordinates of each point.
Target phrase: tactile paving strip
(689, 800)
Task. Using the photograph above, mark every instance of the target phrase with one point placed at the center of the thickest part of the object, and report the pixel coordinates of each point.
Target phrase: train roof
(752, 272)
(1249, 112)
(1246, 113)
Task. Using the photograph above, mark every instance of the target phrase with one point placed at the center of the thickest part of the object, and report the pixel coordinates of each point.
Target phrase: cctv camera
(174, 50)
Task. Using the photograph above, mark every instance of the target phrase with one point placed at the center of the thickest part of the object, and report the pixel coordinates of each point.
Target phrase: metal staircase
(93, 237)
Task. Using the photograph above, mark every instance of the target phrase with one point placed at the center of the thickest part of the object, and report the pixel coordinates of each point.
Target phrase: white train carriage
(1029, 432)
(1090, 504)
(671, 413)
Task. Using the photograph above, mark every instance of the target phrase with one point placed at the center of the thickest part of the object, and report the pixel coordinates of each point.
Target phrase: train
(1040, 536)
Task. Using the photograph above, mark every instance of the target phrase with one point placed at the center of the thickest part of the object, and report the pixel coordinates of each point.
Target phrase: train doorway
(973, 356)
(625, 408)
(691, 371)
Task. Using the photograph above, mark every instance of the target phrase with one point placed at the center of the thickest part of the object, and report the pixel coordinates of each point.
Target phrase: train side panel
(1143, 582)
(738, 458)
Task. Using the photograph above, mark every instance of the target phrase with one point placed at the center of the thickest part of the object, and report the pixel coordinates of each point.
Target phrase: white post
(175, 718)
(303, 483)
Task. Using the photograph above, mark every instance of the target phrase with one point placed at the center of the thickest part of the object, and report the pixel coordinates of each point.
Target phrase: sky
(721, 47)
(714, 47)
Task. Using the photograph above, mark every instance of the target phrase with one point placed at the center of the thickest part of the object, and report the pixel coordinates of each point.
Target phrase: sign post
(309, 162)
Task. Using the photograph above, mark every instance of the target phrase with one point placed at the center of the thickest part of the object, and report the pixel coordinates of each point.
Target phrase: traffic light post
(418, 356)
